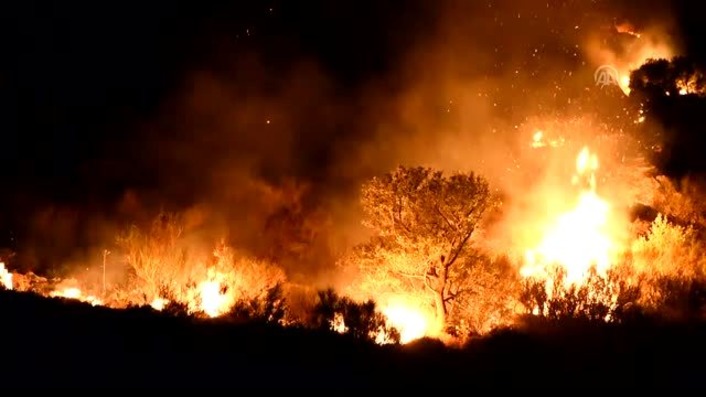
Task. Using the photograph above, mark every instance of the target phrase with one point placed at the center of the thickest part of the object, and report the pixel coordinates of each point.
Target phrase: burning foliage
(429, 267)
(424, 226)
(469, 244)
(360, 320)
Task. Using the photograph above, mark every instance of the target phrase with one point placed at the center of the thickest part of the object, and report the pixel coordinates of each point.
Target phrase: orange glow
(213, 301)
(627, 28)
(211, 296)
(635, 51)
(540, 140)
(412, 324)
(5, 277)
(639, 53)
(159, 303)
(76, 294)
(579, 239)
(580, 230)
(689, 86)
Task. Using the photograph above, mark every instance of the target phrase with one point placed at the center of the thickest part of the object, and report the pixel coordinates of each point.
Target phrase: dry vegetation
(426, 247)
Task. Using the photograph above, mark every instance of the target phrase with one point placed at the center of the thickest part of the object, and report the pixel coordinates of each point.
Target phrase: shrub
(361, 320)
(272, 308)
(601, 297)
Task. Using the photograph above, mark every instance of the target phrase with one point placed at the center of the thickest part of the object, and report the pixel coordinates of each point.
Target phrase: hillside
(53, 343)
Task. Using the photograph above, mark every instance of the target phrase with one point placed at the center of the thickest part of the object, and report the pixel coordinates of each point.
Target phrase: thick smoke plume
(244, 146)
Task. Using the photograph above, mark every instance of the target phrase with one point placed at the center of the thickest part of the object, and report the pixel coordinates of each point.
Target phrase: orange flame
(5, 277)
(412, 324)
(213, 301)
(76, 294)
(579, 239)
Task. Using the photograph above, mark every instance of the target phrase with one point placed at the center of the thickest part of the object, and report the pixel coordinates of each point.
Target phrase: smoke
(494, 74)
(471, 89)
(249, 143)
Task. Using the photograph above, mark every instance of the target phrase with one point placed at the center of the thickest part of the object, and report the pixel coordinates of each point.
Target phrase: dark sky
(81, 81)
(79, 77)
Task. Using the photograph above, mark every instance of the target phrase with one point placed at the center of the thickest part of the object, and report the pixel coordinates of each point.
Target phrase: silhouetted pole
(105, 260)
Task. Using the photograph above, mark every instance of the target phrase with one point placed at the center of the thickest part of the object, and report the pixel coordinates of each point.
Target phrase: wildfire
(75, 293)
(5, 277)
(338, 324)
(627, 28)
(539, 140)
(635, 51)
(690, 85)
(412, 324)
(214, 302)
(158, 304)
(210, 296)
(579, 239)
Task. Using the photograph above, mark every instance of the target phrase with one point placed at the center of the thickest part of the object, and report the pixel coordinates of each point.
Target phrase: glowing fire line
(579, 239)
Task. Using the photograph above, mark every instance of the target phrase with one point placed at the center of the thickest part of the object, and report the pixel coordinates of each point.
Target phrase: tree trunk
(436, 281)
(440, 307)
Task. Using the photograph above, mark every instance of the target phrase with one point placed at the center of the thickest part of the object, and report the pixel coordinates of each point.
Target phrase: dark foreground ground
(53, 343)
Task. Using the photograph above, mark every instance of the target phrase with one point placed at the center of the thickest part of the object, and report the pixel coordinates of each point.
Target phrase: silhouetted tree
(673, 77)
(272, 308)
(361, 320)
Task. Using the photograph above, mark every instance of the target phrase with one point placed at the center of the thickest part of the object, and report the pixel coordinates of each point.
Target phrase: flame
(5, 277)
(338, 324)
(689, 85)
(580, 238)
(624, 82)
(635, 51)
(539, 140)
(412, 324)
(159, 303)
(627, 28)
(213, 301)
(209, 296)
(640, 52)
(76, 294)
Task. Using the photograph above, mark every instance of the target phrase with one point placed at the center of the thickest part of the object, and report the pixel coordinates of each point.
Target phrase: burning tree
(676, 76)
(164, 271)
(423, 224)
(155, 257)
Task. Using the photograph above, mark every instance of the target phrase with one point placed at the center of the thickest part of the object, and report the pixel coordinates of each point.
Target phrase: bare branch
(459, 248)
(453, 296)
(445, 218)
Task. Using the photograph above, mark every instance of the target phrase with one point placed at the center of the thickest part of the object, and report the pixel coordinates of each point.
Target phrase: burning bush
(359, 320)
(156, 258)
(163, 270)
(681, 201)
(491, 304)
(599, 298)
(669, 250)
(272, 308)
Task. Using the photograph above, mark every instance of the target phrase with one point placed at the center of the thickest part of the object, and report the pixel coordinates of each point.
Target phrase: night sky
(80, 79)
(87, 88)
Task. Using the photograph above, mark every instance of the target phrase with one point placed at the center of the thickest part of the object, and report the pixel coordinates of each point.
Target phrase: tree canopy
(423, 223)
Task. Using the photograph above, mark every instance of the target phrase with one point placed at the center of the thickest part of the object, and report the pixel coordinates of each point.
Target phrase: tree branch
(459, 248)
(456, 294)
(445, 218)
(427, 283)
